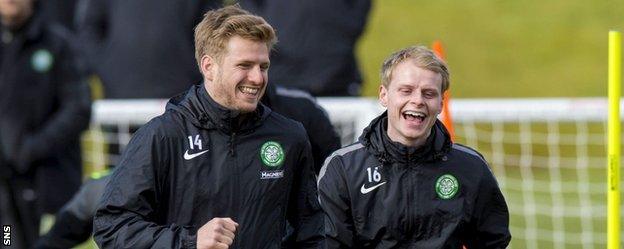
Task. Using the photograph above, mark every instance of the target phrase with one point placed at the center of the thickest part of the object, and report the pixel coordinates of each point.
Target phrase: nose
(255, 75)
(417, 99)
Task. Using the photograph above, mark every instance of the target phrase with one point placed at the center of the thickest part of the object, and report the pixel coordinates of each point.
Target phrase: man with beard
(218, 169)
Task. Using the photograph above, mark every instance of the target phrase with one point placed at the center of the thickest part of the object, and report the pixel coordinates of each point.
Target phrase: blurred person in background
(60, 12)
(442, 194)
(44, 106)
(317, 43)
(301, 106)
(141, 48)
(218, 169)
(74, 222)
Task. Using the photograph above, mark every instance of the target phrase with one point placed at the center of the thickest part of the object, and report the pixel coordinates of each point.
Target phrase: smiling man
(218, 169)
(405, 184)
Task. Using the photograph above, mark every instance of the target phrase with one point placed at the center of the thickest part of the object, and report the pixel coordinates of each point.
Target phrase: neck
(415, 143)
(214, 97)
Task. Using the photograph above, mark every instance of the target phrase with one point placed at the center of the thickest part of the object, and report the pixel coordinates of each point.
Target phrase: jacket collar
(206, 113)
(376, 139)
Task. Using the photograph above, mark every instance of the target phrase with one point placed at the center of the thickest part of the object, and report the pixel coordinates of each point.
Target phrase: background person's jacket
(199, 161)
(73, 224)
(316, 48)
(381, 194)
(142, 48)
(301, 106)
(44, 106)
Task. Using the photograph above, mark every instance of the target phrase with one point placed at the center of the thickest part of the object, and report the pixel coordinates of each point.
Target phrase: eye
(244, 65)
(430, 94)
(405, 91)
(264, 67)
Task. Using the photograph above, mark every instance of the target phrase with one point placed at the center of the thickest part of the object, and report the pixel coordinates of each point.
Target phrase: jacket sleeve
(74, 223)
(335, 202)
(491, 218)
(323, 137)
(69, 120)
(304, 213)
(127, 213)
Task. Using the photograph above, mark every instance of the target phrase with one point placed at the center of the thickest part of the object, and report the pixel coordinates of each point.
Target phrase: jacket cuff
(190, 242)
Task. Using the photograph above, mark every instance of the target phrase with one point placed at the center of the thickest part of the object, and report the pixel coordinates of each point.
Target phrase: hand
(217, 233)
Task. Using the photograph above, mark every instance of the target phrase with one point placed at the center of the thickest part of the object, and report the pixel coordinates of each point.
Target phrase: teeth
(415, 114)
(248, 90)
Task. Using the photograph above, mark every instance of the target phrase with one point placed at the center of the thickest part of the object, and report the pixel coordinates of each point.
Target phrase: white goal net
(547, 154)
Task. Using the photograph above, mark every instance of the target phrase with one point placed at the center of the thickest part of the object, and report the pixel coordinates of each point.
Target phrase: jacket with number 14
(199, 161)
(381, 194)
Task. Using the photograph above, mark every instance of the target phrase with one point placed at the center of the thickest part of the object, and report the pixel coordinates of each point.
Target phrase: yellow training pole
(613, 171)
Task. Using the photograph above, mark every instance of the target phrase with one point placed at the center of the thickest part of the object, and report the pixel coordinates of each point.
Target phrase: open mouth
(414, 116)
(250, 91)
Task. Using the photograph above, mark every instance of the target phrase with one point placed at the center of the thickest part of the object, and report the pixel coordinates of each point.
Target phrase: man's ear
(383, 95)
(208, 67)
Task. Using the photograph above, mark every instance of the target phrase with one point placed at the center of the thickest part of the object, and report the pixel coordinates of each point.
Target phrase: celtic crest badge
(447, 186)
(272, 154)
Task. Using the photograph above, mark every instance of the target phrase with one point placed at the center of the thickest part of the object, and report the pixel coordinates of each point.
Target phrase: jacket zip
(237, 190)
(410, 199)
(231, 143)
(414, 172)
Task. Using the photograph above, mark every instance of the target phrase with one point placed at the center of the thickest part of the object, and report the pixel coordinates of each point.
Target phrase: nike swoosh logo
(188, 156)
(366, 190)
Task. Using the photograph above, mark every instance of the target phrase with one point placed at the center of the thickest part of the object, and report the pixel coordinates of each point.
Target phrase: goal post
(614, 152)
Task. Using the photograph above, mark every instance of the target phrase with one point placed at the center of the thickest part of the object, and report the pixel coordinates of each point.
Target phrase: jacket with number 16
(199, 161)
(381, 194)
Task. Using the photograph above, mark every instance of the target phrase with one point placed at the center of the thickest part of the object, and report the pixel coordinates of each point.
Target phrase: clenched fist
(217, 233)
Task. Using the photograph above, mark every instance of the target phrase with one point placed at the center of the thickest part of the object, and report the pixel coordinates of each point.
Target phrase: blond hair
(218, 26)
(422, 57)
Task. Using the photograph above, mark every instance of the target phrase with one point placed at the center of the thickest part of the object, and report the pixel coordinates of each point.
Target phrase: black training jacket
(380, 194)
(199, 161)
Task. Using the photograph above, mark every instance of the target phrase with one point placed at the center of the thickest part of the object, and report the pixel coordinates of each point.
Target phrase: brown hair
(218, 26)
(422, 57)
